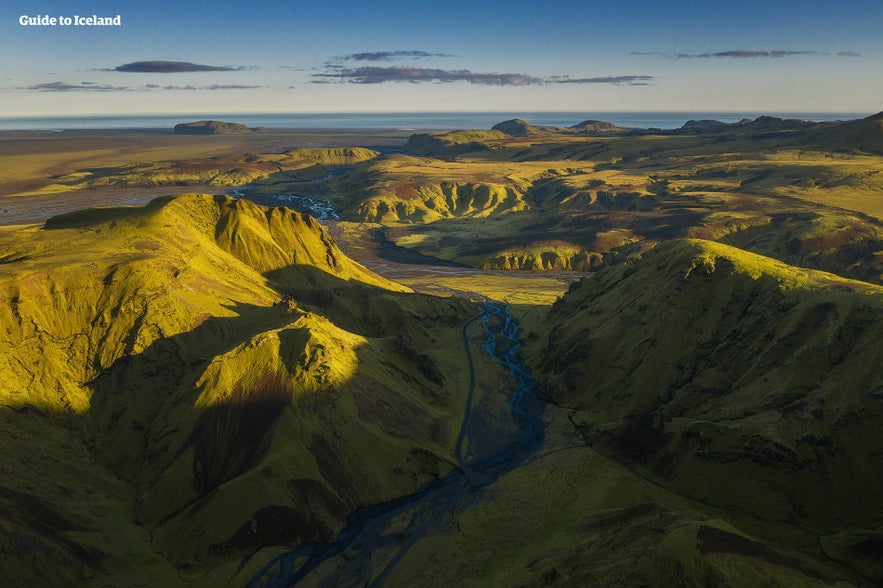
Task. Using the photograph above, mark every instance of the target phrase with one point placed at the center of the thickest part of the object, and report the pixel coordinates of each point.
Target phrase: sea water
(397, 120)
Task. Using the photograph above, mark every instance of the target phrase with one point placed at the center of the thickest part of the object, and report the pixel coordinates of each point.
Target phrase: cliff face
(198, 378)
(736, 378)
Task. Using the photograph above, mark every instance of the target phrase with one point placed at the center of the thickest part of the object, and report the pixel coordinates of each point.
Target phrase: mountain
(516, 128)
(865, 134)
(598, 126)
(192, 381)
(451, 144)
(734, 379)
(214, 127)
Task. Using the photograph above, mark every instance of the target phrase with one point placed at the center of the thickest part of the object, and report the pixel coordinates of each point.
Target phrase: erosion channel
(376, 538)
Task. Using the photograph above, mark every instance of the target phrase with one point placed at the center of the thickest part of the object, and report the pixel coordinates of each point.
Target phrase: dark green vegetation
(191, 388)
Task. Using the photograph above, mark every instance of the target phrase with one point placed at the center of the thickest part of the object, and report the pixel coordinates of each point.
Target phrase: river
(376, 538)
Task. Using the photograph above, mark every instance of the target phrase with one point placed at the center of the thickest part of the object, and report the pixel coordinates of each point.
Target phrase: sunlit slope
(809, 194)
(238, 169)
(738, 379)
(222, 376)
(100, 284)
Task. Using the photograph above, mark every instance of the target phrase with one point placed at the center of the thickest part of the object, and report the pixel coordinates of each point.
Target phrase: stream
(376, 538)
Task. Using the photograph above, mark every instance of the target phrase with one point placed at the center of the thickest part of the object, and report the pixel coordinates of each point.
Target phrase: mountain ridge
(215, 367)
(741, 372)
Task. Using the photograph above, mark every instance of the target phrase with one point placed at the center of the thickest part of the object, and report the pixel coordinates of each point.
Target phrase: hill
(452, 144)
(194, 380)
(214, 127)
(865, 134)
(733, 379)
(598, 126)
(516, 128)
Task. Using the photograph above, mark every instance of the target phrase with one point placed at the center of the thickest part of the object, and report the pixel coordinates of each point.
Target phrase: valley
(528, 355)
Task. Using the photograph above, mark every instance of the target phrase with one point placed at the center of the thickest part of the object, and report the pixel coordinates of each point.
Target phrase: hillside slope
(194, 380)
(736, 379)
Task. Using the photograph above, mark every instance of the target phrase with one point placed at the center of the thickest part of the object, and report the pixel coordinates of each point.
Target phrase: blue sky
(274, 56)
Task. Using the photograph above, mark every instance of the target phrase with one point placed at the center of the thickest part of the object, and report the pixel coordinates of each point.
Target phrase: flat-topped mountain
(214, 127)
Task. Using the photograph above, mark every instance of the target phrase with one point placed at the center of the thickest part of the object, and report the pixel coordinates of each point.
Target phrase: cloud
(737, 54)
(743, 53)
(391, 55)
(380, 75)
(81, 87)
(95, 87)
(848, 54)
(211, 87)
(170, 67)
(615, 80)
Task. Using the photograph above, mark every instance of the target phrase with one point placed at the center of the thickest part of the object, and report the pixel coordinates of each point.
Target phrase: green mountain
(187, 383)
(735, 380)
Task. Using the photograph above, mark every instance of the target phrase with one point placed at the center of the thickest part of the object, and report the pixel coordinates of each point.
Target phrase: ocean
(397, 120)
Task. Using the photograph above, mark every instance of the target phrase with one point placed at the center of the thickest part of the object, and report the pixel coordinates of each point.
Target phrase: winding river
(373, 541)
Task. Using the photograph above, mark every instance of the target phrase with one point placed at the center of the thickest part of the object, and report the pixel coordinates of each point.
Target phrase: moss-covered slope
(738, 379)
(191, 381)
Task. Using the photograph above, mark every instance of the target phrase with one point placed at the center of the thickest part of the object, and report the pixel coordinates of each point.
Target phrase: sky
(169, 56)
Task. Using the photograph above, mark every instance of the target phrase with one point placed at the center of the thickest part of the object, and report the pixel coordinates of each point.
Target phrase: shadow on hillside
(381, 431)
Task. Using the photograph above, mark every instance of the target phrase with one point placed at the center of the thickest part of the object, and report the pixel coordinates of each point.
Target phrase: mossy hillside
(65, 520)
(404, 189)
(220, 170)
(785, 200)
(429, 203)
(208, 384)
(574, 518)
(152, 273)
(522, 242)
(330, 156)
(352, 435)
(453, 143)
(573, 515)
(736, 378)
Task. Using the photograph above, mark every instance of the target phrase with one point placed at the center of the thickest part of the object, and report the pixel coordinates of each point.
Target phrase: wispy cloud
(171, 67)
(81, 87)
(380, 75)
(391, 55)
(211, 87)
(95, 87)
(615, 80)
(743, 54)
